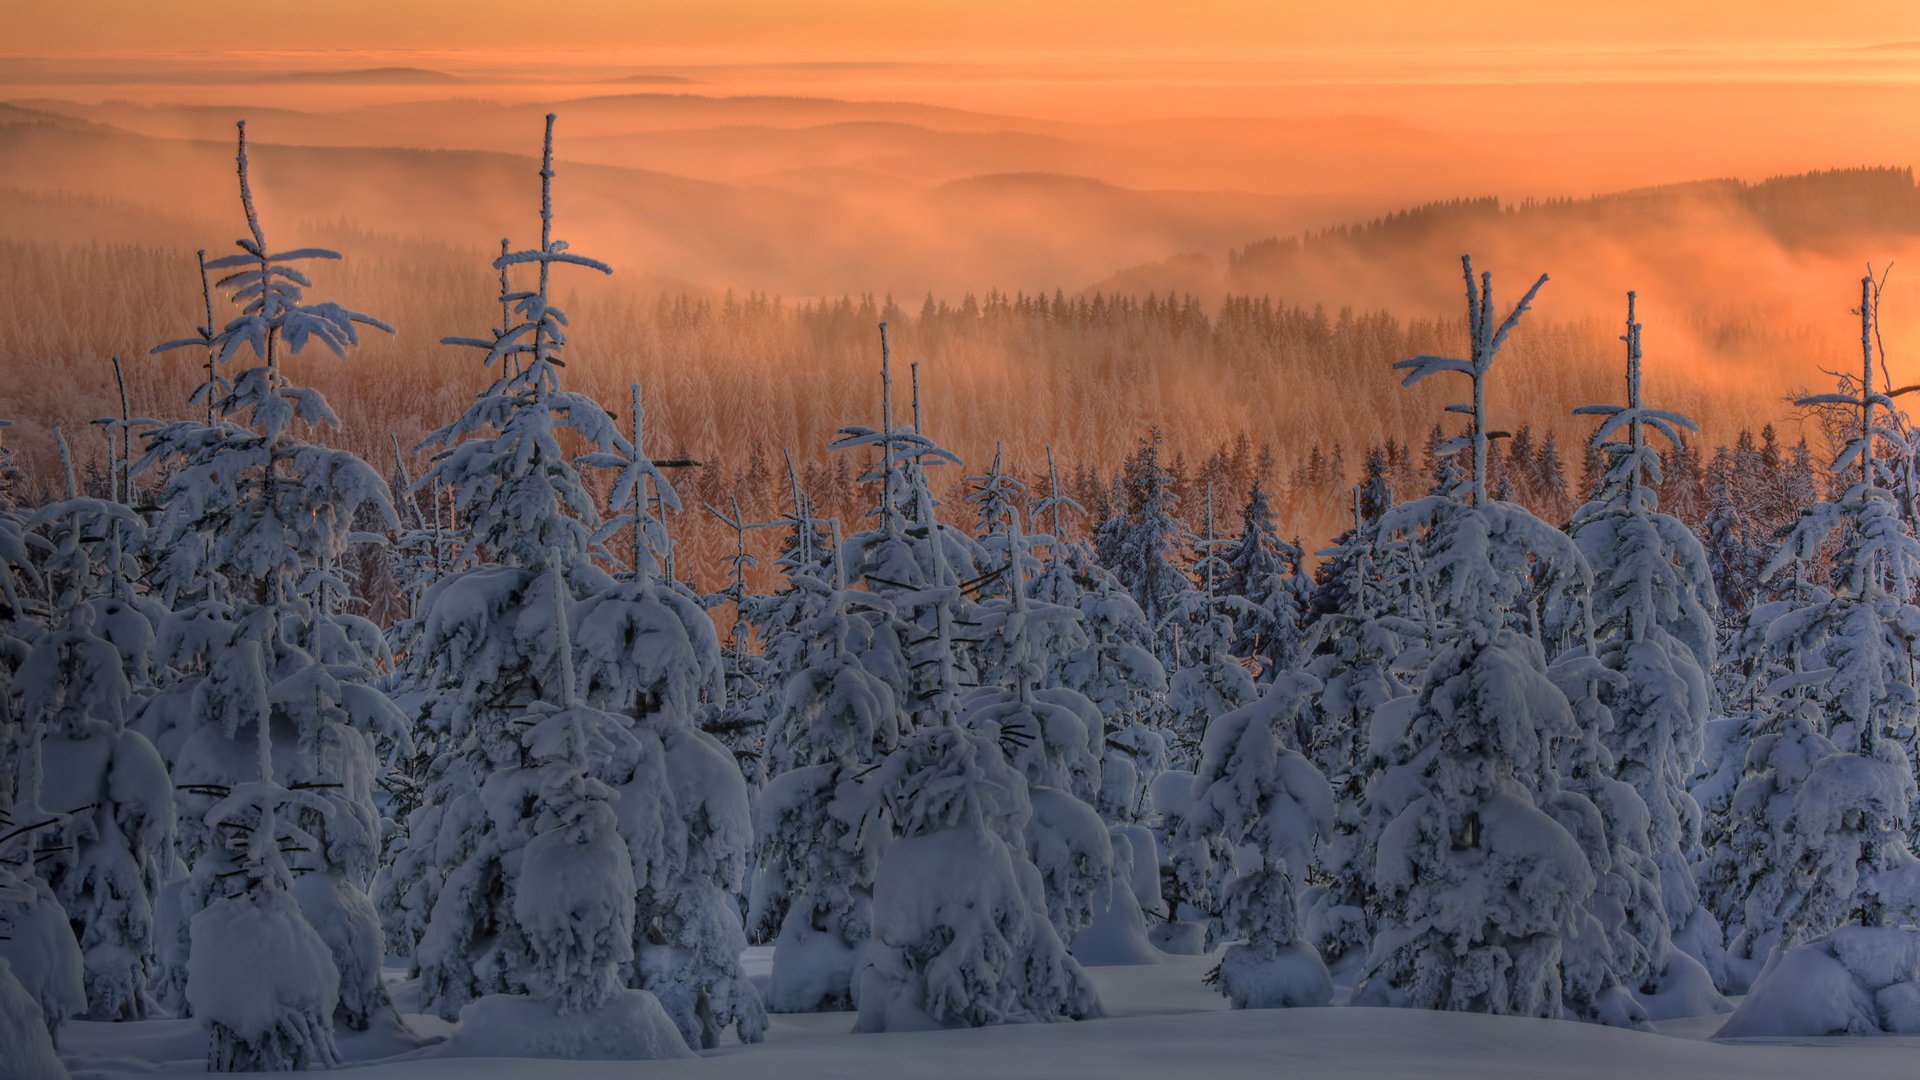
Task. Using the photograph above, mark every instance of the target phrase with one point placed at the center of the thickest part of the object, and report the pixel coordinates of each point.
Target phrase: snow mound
(1684, 989)
(628, 1026)
(1857, 980)
(28, 1049)
(1274, 976)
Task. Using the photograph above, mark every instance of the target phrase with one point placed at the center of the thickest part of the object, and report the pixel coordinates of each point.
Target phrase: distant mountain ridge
(1812, 209)
(383, 75)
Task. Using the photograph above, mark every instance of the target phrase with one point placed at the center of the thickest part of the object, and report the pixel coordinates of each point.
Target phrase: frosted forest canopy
(1522, 739)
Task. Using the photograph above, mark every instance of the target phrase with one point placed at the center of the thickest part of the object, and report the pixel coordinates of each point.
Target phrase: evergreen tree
(1142, 554)
(505, 639)
(1265, 573)
(1478, 888)
(1256, 791)
(1828, 825)
(1653, 605)
(272, 679)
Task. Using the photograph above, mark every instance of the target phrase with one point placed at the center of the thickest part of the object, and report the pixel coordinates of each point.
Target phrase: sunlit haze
(944, 150)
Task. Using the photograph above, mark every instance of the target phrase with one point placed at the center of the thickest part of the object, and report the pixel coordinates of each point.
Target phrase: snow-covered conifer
(1210, 680)
(1054, 736)
(111, 852)
(260, 979)
(1266, 573)
(974, 946)
(1477, 886)
(961, 936)
(36, 941)
(1255, 790)
(818, 838)
(254, 521)
(1144, 551)
(488, 644)
(1653, 605)
(1359, 642)
(648, 651)
(1829, 792)
(645, 651)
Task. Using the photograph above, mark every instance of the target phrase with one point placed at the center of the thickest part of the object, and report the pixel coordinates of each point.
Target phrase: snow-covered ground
(1162, 1022)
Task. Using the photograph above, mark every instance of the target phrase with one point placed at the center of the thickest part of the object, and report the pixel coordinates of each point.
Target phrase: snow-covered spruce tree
(261, 980)
(645, 651)
(1622, 927)
(1210, 680)
(820, 834)
(1733, 842)
(1266, 573)
(36, 941)
(103, 789)
(1258, 792)
(1144, 550)
(861, 666)
(1833, 827)
(648, 651)
(961, 934)
(1054, 736)
(1748, 873)
(575, 896)
(1653, 605)
(1107, 656)
(488, 650)
(1360, 647)
(1477, 887)
(255, 521)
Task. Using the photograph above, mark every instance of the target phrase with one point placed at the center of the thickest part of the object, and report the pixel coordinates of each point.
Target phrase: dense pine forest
(1508, 691)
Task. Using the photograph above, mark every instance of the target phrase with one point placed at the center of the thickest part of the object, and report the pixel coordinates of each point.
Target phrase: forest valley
(1610, 732)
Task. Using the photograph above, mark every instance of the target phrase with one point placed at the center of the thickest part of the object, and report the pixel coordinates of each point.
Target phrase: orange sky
(957, 146)
(867, 29)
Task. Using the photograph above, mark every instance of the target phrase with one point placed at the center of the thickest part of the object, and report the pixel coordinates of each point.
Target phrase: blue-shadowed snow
(1161, 1021)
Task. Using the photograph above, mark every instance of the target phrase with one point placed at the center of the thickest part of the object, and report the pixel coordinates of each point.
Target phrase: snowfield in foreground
(1162, 1022)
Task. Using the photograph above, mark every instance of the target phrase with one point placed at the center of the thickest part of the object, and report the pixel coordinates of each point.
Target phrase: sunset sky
(975, 29)
(956, 147)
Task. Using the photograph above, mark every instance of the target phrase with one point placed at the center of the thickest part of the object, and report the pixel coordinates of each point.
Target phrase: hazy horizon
(952, 151)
